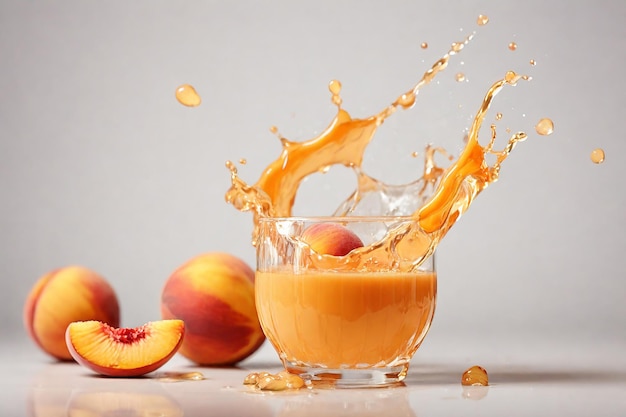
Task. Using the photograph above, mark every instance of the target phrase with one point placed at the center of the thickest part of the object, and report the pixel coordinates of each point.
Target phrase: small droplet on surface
(597, 156)
(180, 376)
(482, 20)
(544, 127)
(281, 381)
(476, 375)
(187, 95)
(459, 77)
(512, 46)
(424, 45)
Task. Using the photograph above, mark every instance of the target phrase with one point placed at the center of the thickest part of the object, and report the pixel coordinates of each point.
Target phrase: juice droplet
(512, 78)
(231, 167)
(545, 127)
(243, 161)
(533, 62)
(498, 116)
(274, 129)
(180, 376)
(406, 100)
(482, 20)
(188, 96)
(281, 381)
(424, 45)
(457, 46)
(512, 46)
(335, 88)
(459, 77)
(415, 154)
(476, 375)
(597, 156)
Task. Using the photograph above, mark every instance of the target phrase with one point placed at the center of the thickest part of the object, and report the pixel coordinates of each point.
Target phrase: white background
(100, 166)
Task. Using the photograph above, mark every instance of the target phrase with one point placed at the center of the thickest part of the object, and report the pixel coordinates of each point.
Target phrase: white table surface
(529, 376)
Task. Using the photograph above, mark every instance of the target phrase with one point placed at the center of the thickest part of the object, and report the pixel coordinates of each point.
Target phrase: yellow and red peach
(124, 352)
(63, 296)
(331, 239)
(213, 294)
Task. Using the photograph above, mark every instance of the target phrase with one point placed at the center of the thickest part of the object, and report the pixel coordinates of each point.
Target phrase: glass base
(350, 378)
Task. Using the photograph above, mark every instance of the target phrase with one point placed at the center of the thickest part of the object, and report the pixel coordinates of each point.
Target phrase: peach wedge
(124, 352)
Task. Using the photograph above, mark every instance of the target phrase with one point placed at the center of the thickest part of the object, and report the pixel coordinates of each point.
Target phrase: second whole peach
(213, 294)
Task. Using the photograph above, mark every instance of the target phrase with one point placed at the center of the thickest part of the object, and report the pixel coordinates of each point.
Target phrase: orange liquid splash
(440, 196)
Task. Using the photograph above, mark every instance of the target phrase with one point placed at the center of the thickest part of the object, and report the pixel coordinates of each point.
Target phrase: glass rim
(337, 219)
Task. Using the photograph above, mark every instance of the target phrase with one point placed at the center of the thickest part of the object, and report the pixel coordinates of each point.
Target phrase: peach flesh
(124, 351)
(63, 296)
(331, 239)
(214, 294)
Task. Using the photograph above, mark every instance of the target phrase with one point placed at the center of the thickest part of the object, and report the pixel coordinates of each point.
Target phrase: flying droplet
(533, 62)
(459, 77)
(482, 20)
(457, 46)
(597, 156)
(424, 45)
(188, 96)
(512, 46)
(545, 127)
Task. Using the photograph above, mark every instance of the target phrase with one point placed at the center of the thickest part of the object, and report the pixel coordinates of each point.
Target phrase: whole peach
(331, 239)
(65, 295)
(213, 294)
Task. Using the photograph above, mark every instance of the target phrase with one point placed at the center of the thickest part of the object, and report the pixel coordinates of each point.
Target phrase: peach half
(63, 296)
(213, 294)
(124, 352)
(331, 239)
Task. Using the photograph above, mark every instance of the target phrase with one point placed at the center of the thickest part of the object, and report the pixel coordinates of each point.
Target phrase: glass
(347, 321)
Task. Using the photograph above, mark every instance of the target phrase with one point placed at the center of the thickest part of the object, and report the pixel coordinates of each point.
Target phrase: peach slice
(124, 351)
(331, 239)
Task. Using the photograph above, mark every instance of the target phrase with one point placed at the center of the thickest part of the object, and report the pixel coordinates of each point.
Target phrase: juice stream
(344, 142)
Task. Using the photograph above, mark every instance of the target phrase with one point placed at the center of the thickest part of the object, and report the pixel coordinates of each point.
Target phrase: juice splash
(434, 202)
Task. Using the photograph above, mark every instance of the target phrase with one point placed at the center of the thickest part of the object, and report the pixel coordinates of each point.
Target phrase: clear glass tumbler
(348, 321)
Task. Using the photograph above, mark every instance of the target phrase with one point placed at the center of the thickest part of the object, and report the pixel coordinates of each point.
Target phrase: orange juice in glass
(354, 319)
